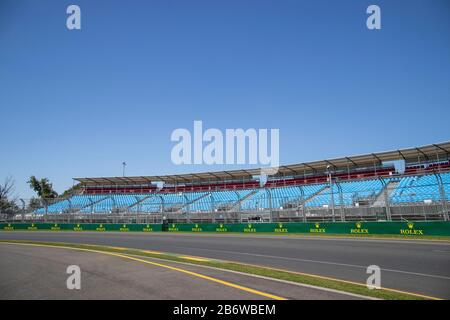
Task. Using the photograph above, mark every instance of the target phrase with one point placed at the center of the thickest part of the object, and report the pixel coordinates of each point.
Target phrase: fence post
(114, 207)
(70, 204)
(212, 202)
(332, 195)
(341, 200)
(187, 204)
(162, 204)
(442, 195)
(269, 193)
(386, 199)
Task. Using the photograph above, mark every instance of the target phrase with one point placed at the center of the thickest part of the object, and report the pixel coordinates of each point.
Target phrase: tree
(34, 204)
(71, 191)
(43, 188)
(7, 203)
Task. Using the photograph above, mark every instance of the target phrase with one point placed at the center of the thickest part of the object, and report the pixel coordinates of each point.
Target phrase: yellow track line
(195, 274)
(260, 266)
(195, 258)
(303, 274)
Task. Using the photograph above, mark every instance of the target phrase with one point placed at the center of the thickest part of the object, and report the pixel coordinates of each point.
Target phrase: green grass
(323, 282)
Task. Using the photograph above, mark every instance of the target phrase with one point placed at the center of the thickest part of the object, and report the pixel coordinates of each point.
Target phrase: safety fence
(416, 228)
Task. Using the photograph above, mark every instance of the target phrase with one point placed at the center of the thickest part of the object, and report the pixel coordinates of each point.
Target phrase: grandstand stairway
(82, 209)
(325, 190)
(186, 206)
(138, 203)
(301, 202)
(237, 204)
(390, 187)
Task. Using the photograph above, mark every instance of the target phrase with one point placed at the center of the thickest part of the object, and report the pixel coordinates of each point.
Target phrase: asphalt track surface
(418, 266)
(33, 272)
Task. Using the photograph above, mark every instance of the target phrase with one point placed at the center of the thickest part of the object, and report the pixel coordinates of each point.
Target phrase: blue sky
(78, 103)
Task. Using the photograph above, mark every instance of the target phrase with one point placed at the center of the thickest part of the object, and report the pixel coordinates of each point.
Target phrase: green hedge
(436, 228)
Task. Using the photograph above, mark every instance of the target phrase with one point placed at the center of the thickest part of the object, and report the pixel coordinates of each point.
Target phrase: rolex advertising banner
(121, 227)
(417, 228)
(438, 228)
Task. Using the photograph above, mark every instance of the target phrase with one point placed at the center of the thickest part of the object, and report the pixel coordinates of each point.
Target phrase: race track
(416, 266)
(33, 272)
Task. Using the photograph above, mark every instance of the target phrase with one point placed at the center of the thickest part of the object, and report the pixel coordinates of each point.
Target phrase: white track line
(267, 278)
(324, 262)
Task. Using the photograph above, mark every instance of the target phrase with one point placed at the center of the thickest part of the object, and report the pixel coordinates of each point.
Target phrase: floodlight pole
(123, 168)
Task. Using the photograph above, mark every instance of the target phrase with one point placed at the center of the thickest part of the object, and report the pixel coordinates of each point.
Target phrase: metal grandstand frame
(426, 160)
(416, 155)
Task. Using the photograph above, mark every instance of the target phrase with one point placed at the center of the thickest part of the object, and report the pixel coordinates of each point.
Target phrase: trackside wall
(432, 228)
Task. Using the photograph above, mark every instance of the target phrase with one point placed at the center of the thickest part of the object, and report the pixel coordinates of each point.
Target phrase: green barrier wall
(438, 228)
(80, 227)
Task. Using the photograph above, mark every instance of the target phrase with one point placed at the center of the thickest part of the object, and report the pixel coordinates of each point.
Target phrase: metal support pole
(91, 204)
(239, 199)
(332, 193)
(386, 199)
(138, 207)
(341, 200)
(70, 204)
(162, 203)
(269, 192)
(123, 168)
(114, 207)
(187, 204)
(301, 205)
(212, 202)
(302, 194)
(442, 195)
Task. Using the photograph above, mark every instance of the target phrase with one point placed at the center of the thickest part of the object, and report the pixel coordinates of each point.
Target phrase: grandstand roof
(432, 152)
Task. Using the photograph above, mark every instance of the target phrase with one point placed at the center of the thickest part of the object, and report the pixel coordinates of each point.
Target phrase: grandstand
(411, 183)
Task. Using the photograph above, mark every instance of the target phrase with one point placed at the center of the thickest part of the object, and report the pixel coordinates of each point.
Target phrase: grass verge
(309, 279)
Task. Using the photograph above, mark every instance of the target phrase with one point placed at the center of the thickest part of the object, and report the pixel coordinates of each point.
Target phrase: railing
(417, 212)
